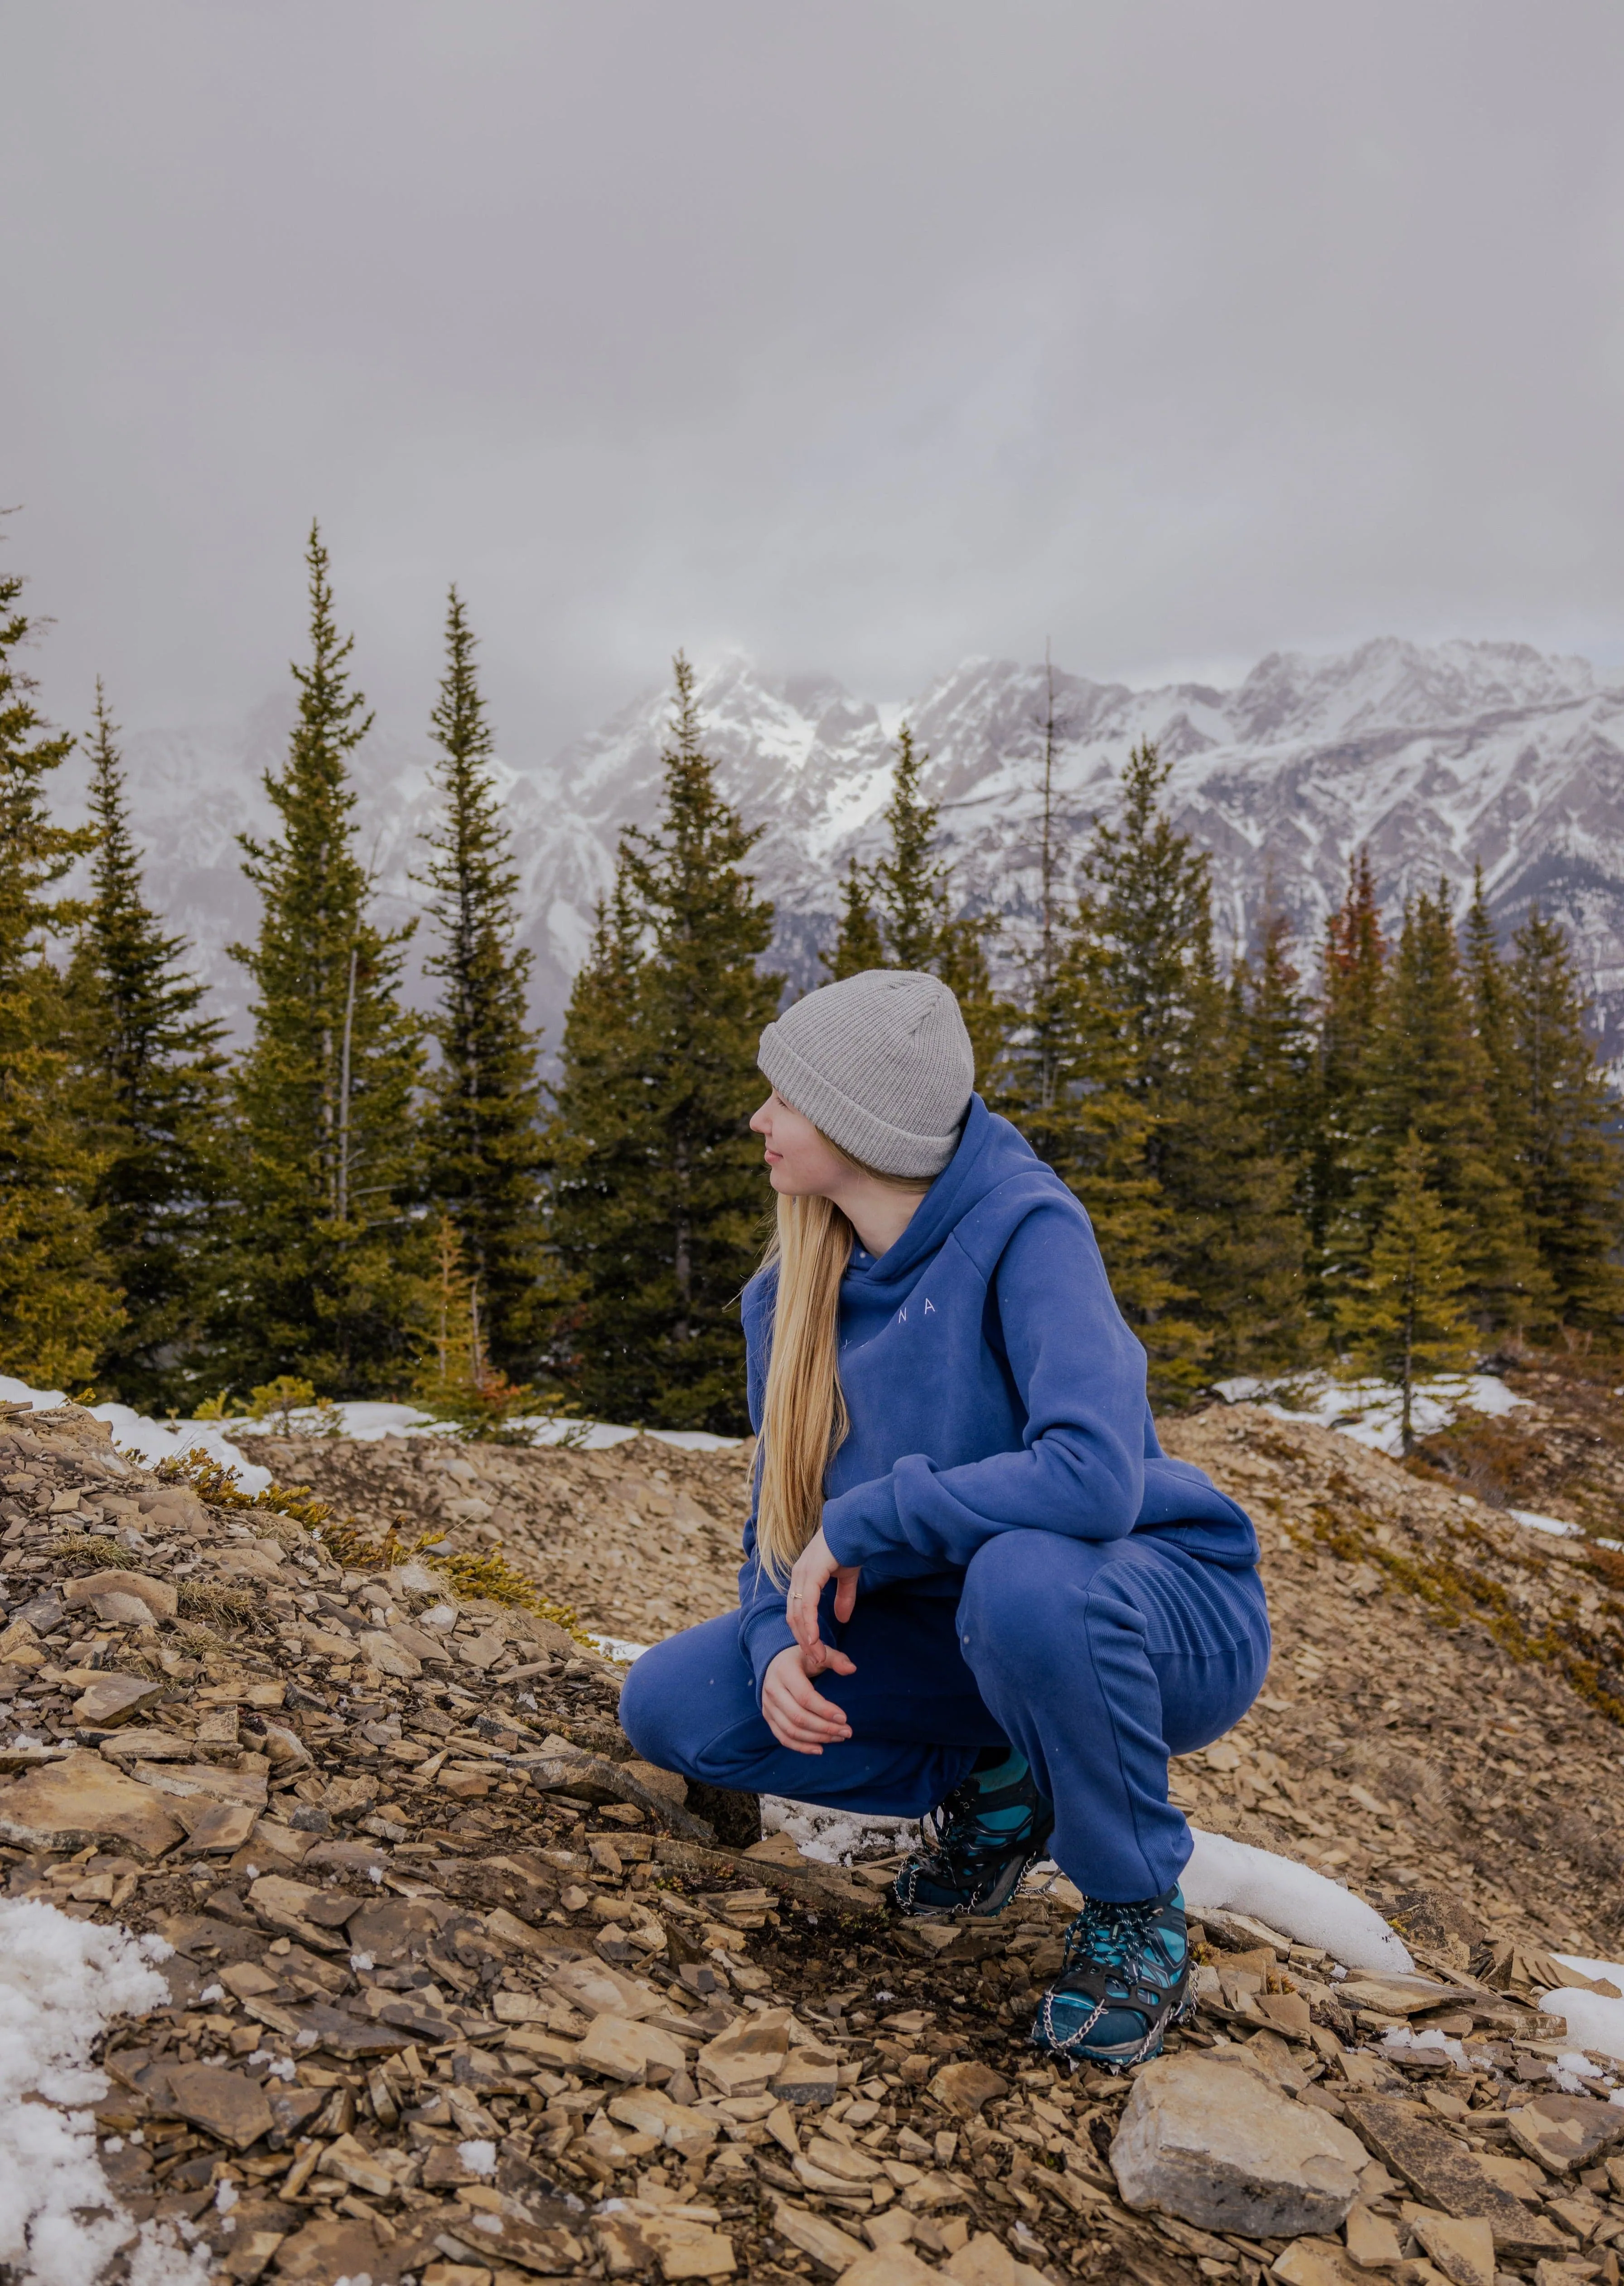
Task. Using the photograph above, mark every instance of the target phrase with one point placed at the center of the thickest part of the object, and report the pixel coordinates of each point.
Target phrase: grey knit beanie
(881, 1062)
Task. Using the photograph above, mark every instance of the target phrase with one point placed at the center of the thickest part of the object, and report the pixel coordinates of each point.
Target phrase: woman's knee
(653, 1702)
(1018, 1591)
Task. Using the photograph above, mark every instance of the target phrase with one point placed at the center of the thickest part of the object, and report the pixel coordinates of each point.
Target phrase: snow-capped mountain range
(1434, 758)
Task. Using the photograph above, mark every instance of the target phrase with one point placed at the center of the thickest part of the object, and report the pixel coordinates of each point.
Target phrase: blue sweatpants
(1096, 1659)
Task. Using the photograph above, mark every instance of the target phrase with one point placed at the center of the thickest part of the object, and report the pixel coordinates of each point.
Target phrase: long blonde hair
(804, 1419)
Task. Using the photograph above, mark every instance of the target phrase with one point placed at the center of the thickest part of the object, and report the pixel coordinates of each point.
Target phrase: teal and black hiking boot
(1124, 1978)
(979, 1842)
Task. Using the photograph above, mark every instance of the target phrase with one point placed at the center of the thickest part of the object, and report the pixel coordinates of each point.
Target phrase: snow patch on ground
(62, 1982)
(1535, 1522)
(594, 1435)
(1371, 1412)
(617, 1647)
(151, 1441)
(836, 1836)
(1594, 2021)
(1224, 1875)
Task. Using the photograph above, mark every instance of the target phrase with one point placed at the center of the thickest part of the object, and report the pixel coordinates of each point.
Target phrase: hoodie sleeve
(1080, 1375)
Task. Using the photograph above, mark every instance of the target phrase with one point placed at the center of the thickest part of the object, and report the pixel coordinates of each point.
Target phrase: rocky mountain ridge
(1435, 759)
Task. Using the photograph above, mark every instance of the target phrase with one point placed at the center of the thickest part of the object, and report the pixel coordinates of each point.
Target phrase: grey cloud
(860, 335)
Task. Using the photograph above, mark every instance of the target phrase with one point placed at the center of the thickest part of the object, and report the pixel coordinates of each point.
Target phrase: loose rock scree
(461, 1991)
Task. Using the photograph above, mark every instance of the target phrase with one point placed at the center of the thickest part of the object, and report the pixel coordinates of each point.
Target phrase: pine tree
(1279, 1050)
(1566, 1122)
(1404, 1318)
(324, 1280)
(1235, 1245)
(899, 914)
(158, 1083)
(1237, 1242)
(859, 945)
(482, 1139)
(59, 1304)
(1068, 1085)
(1424, 1070)
(961, 963)
(1488, 991)
(1151, 894)
(659, 1205)
(909, 886)
(1353, 964)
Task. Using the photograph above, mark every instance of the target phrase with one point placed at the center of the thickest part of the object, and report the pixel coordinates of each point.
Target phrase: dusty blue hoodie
(992, 1387)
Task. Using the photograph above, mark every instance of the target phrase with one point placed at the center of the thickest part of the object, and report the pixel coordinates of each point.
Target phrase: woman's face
(800, 1162)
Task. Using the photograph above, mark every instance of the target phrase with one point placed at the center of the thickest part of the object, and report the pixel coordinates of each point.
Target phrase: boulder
(1214, 2142)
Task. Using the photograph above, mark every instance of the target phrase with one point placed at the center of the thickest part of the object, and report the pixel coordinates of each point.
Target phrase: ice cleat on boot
(1124, 1978)
(980, 1840)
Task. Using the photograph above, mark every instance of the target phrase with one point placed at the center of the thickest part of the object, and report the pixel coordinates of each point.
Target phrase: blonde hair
(804, 1420)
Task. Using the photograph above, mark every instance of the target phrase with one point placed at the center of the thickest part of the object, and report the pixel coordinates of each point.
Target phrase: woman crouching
(975, 1589)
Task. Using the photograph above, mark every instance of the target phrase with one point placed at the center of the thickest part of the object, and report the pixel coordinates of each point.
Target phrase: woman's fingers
(814, 1568)
(813, 1710)
(846, 1593)
(798, 1716)
(824, 1656)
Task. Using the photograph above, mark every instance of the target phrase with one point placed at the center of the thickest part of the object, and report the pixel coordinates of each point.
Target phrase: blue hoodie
(992, 1386)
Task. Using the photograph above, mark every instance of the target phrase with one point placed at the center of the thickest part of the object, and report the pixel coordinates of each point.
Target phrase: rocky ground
(1561, 1451)
(461, 1992)
(640, 1540)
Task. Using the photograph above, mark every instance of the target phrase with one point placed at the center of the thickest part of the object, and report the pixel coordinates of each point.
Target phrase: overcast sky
(862, 334)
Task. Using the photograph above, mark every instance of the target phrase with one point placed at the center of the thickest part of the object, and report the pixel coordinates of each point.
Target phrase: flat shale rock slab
(83, 1800)
(1217, 2145)
(227, 2103)
(1563, 2131)
(1443, 2173)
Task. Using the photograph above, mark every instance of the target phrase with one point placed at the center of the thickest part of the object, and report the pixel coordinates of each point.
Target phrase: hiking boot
(1124, 1978)
(979, 1842)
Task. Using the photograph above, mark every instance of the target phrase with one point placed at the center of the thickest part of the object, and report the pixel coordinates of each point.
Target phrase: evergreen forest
(1385, 1153)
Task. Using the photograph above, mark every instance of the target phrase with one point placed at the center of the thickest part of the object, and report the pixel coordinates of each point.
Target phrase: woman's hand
(795, 1714)
(815, 1568)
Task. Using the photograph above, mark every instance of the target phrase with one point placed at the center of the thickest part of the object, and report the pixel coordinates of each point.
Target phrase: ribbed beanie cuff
(881, 1062)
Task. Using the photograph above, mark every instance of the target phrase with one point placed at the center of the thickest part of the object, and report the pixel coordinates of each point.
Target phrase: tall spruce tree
(59, 1304)
(482, 1137)
(1567, 1125)
(909, 883)
(1403, 1318)
(1425, 1072)
(1067, 1082)
(1279, 1049)
(158, 1085)
(659, 1205)
(1235, 1244)
(899, 913)
(858, 945)
(326, 1278)
(1353, 964)
(1489, 991)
